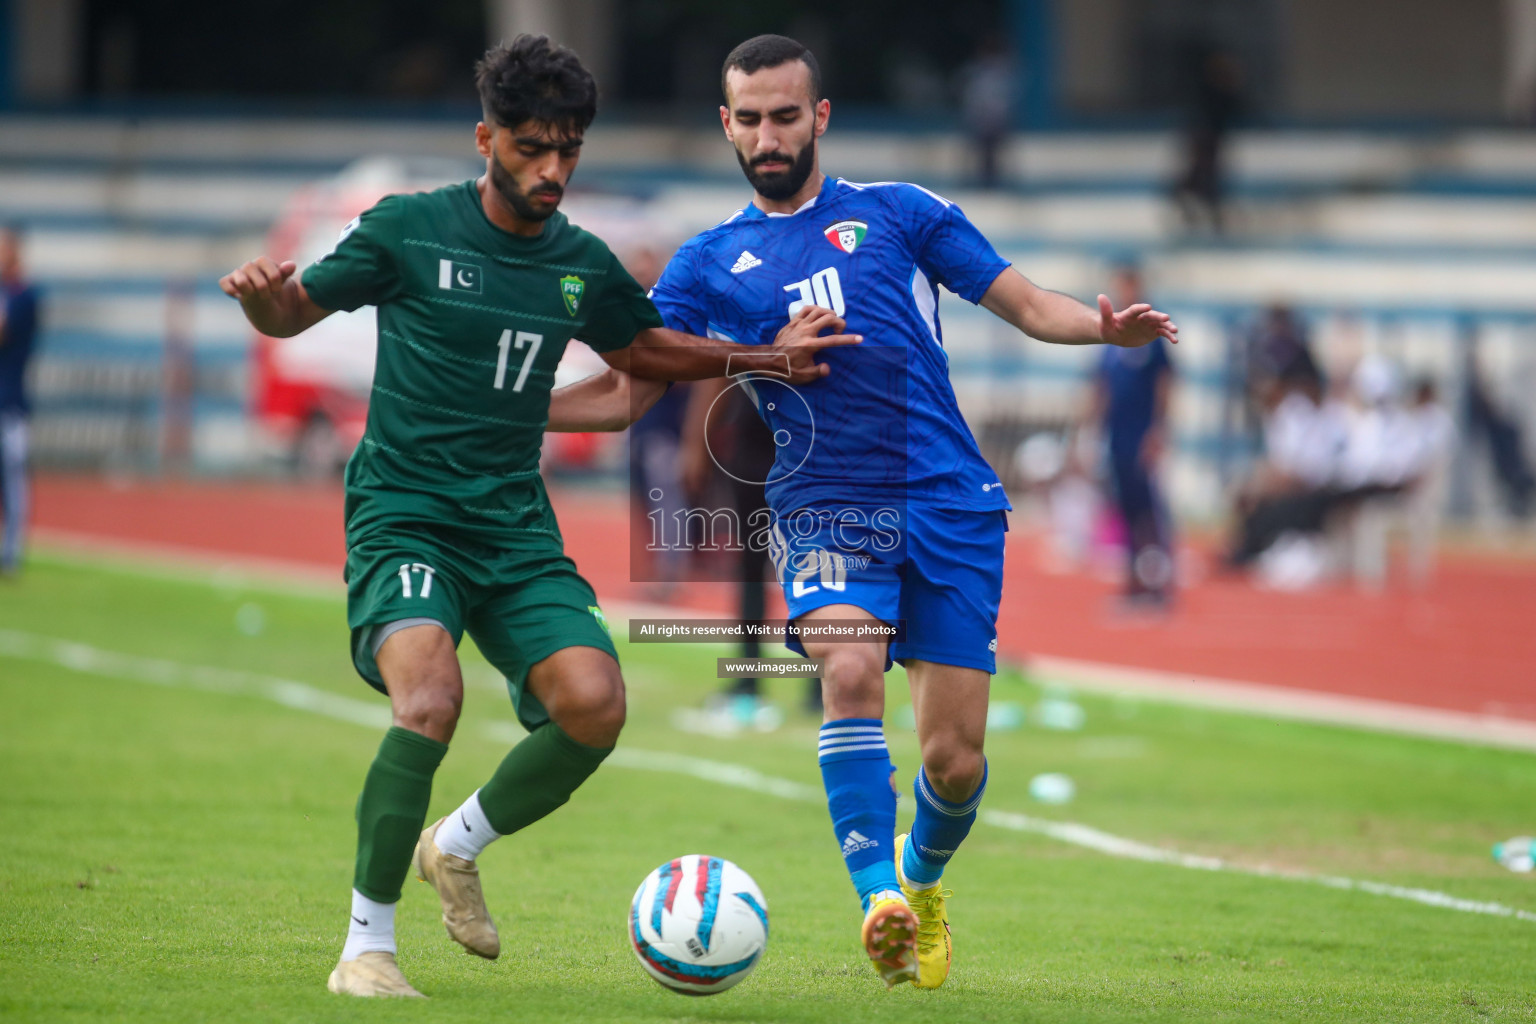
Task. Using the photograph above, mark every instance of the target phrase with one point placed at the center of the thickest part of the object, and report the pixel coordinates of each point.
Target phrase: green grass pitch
(175, 853)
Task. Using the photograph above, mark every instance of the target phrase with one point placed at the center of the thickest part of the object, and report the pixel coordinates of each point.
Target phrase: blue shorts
(936, 571)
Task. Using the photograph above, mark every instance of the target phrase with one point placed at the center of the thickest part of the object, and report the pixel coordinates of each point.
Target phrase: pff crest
(571, 289)
(847, 234)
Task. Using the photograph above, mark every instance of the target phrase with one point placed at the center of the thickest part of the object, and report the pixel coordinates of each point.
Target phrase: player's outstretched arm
(1062, 320)
(273, 299)
(659, 353)
(610, 400)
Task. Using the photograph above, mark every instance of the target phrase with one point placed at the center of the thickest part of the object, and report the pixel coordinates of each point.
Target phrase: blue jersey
(18, 311)
(1130, 378)
(884, 426)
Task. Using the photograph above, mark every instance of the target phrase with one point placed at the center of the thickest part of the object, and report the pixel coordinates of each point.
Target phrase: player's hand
(799, 340)
(272, 298)
(259, 280)
(1135, 325)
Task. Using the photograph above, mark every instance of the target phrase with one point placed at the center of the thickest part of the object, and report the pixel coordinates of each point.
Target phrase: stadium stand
(1387, 243)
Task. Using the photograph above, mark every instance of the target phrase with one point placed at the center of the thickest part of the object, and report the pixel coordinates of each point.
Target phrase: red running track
(1468, 642)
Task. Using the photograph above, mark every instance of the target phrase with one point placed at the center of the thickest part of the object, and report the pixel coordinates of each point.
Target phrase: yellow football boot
(935, 949)
(890, 935)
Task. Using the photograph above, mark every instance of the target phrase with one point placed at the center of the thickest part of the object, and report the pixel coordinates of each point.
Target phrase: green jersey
(472, 322)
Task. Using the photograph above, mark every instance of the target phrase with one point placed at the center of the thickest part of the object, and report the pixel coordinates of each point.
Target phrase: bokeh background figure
(20, 308)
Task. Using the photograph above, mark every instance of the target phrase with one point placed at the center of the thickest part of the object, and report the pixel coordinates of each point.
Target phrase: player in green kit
(479, 287)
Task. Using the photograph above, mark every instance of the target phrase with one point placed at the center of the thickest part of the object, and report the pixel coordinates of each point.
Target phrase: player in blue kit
(884, 509)
(1130, 403)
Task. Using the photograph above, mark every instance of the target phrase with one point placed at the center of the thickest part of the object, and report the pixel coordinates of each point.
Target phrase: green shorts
(520, 602)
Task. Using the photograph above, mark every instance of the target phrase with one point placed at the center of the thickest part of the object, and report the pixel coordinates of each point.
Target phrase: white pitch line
(742, 777)
(1286, 702)
(1230, 695)
(174, 563)
(90, 660)
(1118, 846)
(161, 672)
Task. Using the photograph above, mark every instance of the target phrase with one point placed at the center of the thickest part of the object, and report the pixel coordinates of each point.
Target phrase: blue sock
(938, 830)
(856, 770)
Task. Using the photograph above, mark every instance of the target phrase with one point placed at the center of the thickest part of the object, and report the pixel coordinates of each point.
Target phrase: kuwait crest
(847, 234)
(570, 290)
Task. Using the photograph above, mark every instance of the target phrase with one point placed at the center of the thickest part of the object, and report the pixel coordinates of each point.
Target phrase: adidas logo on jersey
(746, 261)
(855, 842)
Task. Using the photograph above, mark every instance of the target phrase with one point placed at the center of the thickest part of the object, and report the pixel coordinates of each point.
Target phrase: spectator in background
(1394, 468)
(1432, 433)
(1292, 489)
(725, 438)
(1214, 102)
(1430, 427)
(656, 490)
(19, 305)
(1324, 459)
(1130, 404)
(1275, 348)
(1506, 443)
(986, 86)
(1279, 349)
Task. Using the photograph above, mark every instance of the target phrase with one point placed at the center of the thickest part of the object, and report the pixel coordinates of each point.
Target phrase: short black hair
(769, 51)
(533, 79)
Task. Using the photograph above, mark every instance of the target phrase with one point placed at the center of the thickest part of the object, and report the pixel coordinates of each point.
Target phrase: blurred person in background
(1503, 435)
(1129, 405)
(1275, 347)
(1327, 459)
(1304, 440)
(655, 486)
(986, 87)
(1213, 105)
(1392, 470)
(1278, 348)
(723, 430)
(1432, 432)
(1379, 450)
(19, 309)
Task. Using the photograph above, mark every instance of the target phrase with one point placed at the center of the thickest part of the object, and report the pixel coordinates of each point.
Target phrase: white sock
(372, 929)
(466, 832)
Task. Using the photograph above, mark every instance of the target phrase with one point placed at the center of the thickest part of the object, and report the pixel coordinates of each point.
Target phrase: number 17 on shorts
(419, 573)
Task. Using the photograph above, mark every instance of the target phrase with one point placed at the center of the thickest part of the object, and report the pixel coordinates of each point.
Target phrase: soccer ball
(698, 924)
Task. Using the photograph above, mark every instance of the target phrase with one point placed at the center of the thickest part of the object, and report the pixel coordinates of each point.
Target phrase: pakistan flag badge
(847, 234)
(570, 290)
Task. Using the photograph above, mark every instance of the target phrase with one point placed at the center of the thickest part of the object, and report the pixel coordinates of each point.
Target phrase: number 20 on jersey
(822, 288)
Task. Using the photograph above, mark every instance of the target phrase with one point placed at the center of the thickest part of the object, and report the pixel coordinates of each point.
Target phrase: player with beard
(886, 511)
(479, 288)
